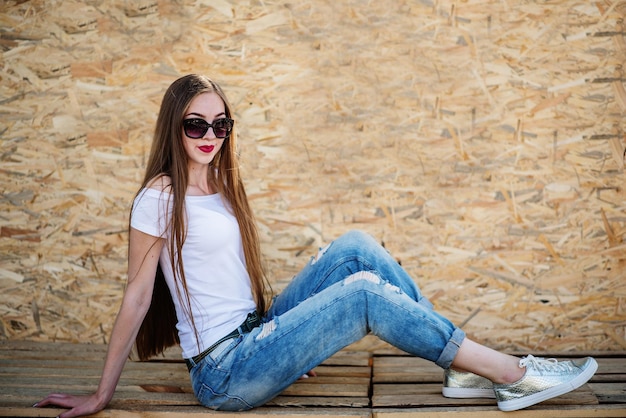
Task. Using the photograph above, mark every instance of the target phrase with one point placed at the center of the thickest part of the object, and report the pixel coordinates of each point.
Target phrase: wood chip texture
(482, 141)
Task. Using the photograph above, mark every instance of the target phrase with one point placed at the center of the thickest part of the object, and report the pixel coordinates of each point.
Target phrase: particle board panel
(482, 141)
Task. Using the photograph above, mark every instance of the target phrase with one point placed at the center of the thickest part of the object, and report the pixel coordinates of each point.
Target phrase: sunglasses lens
(222, 127)
(195, 128)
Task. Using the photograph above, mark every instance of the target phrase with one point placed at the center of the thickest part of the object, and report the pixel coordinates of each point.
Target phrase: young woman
(195, 277)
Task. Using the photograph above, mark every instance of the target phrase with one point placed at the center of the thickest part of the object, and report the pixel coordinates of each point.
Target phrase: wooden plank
(610, 392)
(50, 351)
(156, 372)
(90, 352)
(315, 386)
(354, 371)
(43, 364)
(325, 379)
(349, 358)
(327, 389)
(168, 412)
(61, 368)
(408, 395)
(64, 384)
(127, 394)
(611, 365)
(581, 411)
(126, 398)
(319, 401)
(405, 369)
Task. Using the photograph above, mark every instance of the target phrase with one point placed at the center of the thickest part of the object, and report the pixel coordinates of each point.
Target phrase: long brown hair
(168, 158)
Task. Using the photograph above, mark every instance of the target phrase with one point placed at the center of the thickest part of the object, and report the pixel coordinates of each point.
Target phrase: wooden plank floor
(350, 384)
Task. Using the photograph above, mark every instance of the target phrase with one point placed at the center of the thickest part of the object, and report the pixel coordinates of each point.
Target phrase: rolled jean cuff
(451, 349)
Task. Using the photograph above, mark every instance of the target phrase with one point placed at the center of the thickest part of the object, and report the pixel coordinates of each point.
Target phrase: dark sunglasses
(197, 128)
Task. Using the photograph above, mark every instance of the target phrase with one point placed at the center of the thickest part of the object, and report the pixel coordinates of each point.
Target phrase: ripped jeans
(353, 287)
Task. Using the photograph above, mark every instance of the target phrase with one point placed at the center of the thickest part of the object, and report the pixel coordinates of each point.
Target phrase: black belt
(252, 321)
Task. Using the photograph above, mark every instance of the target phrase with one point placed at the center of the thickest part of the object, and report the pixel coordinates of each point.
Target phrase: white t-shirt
(214, 263)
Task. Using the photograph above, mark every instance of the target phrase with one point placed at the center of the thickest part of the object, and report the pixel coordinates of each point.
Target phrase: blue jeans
(352, 287)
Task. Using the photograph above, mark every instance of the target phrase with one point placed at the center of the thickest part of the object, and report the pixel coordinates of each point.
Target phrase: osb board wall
(481, 140)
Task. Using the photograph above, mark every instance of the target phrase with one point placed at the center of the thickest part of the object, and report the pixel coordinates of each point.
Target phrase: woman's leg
(273, 356)
(357, 251)
(494, 365)
(352, 252)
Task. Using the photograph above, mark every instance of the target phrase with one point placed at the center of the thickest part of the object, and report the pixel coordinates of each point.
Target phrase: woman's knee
(362, 248)
(348, 244)
(359, 242)
(356, 235)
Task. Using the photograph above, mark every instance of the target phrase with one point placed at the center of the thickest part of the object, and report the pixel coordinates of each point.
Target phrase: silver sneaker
(466, 385)
(544, 379)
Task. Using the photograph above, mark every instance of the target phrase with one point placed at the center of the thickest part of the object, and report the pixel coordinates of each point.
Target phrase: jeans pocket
(220, 401)
(221, 351)
(210, 377)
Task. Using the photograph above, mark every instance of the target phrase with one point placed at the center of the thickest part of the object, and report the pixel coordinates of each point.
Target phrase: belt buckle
(252, 321)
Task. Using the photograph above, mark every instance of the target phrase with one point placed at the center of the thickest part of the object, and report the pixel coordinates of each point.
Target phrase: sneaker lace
(538, 363)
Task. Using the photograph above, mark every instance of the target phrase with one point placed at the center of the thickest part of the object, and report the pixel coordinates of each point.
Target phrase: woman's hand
(79, 405)
(308, 374)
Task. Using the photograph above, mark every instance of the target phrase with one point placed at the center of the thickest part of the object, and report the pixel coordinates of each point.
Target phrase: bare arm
(143, 257)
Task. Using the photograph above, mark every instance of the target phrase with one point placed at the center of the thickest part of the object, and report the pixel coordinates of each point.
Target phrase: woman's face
(208, 107)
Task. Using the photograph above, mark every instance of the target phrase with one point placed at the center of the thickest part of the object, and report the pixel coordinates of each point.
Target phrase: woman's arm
(143, 258)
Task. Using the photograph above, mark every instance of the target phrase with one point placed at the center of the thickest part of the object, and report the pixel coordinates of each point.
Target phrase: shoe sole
(578, 381)
(467, 393)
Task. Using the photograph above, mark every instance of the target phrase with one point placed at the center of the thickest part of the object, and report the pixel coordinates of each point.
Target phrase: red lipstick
(206, 148)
